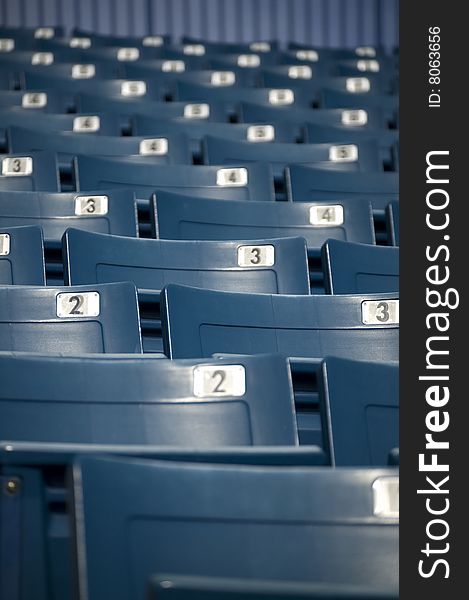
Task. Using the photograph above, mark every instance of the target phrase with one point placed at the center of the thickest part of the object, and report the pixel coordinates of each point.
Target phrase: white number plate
(300, 72)
(368, 65)
(196, 111)
(17, 166)
(354, 117)
(194, 49)
(80, 304)
(260, 133)
(173, 66)
(220, 78)
(4, 244)
(330, 215)
(44, 33)
(158, 146)
(42, 58)
(133, 88)
(256, 256)
(152, 40)
(91, 206)
(87, 124)
(281, 97)
(232, 177)
(344, 153)
(128, 54)
(380, 312)
(386, 497)
(259, 47)
(248, 60)
(34, 100)
(365, 51)
(80, 42)
(219, 381)
(310, 55)
(357, 85)
(83, 71)
(7, 45)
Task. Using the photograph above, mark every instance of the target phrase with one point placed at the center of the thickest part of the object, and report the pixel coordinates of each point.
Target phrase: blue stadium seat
(113, 212)
(77, 320)
(42, 560)
(359, 404)
(206, 111)
(231, 96)
(360, 156)
(190, 587)
(113, 89)
(29, 171)
(100, 40)
(32, 57)
(385, 138)
(215, 78)
(98, 124)
(7, 79)
(180, 217)
(134, 516)
(294, 76)
(389, 104)
(164, 150)
(32, 32)
(241, 401)
(366, 120)
(248, 182)
(21, 256)
(37, 101)
(195, 130)
(305, 184)
(63, 74)
(392, 217)
(211, 47)
(360, 327)
(351, 268)
(282, 265)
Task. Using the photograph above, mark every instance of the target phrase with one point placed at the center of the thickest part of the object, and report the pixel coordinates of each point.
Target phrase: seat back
(180, 217)
(102, 211)
(360, 327)
(360, 156)
(305, 183)
(359, 404)
(134, 516)
(29, 171)
(242, 401)
(266, 266)
(351, 268)
(71, 320)
(22, 256)
(163, 150)
(249, 182)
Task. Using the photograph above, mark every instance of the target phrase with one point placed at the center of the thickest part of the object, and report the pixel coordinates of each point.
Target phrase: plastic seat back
(249, 182)
(181, 217)
(22, 256)
(360, 327)
(71, 320)
(351, 268)
(113, 212)
(133, 516)
(242, 401)
(305, 184)
(29, 171)
(359, 403)
(266, 266)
